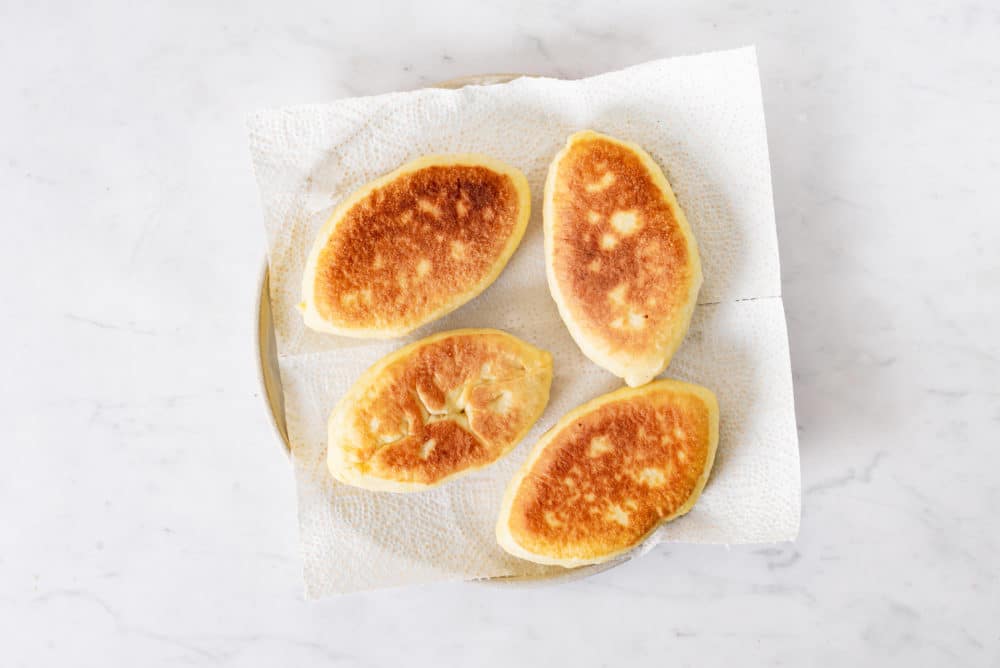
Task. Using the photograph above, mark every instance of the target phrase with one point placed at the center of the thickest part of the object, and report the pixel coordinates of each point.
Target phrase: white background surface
(146, 512)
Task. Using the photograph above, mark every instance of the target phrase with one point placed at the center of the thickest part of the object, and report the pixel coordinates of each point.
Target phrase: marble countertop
(148, 513)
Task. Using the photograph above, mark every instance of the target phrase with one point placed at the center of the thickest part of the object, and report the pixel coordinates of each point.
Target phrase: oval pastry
(621, 261)
(414, 245)
(609, 472)
(446, 405)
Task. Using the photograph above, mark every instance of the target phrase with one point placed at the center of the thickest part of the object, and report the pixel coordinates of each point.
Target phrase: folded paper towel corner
(702, 119)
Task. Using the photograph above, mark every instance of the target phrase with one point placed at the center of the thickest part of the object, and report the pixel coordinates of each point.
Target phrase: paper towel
(701, 118)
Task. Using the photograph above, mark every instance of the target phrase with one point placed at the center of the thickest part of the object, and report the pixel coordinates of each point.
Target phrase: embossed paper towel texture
(702, 119)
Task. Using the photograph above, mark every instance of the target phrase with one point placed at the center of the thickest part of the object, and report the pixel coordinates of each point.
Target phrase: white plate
(270, 378)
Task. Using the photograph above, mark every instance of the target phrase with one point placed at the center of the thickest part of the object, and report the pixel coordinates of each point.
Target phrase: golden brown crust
(414, 245)
(447, 404)
(610, 472)
(622, 263)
